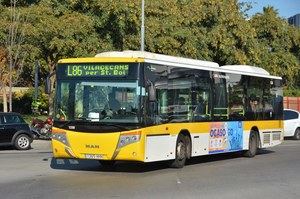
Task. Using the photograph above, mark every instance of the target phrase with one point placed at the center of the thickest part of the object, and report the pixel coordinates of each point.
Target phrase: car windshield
(105, 102)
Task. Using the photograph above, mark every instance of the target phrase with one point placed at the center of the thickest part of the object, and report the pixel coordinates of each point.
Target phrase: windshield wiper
(66, 123)
(120, 127)
(72, 121)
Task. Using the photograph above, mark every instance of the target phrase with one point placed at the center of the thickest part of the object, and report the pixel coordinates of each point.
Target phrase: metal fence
(292, 103)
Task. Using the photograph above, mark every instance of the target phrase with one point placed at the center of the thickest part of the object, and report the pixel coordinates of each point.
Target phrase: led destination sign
(97, 70)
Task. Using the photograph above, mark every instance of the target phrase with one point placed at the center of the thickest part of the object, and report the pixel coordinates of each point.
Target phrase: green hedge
(23, 102)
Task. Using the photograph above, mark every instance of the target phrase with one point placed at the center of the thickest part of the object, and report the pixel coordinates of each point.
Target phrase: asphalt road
(35, 174)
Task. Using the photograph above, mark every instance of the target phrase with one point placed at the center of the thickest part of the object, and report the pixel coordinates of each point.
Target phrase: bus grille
(267, 138)
(276, 136)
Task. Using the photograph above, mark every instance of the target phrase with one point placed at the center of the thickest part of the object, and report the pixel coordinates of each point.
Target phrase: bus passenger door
(156, 102)
(159, 143)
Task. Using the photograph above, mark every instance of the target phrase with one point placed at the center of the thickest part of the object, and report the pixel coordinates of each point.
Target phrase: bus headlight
(129, 138)
(61, 137)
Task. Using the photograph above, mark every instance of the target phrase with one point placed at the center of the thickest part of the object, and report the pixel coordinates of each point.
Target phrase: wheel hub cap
(23, 142)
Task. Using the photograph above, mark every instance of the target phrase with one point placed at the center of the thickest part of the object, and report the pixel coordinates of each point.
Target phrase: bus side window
(268, 110)
(255, 108)
(179, 102)
(202, 97)
(277, 99)
(220, 103)
(235, 85)
(180, 97)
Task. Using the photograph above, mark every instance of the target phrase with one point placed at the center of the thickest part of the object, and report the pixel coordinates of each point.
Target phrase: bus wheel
(297, 134)
(180, 153)
(107, 164)
(253, 143)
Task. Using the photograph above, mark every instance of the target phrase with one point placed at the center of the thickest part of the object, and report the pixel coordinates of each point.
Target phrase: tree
(3, 76)
(54, 35)
(276, 44)
(13, 32)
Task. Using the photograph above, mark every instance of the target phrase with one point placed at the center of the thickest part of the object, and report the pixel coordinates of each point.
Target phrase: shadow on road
(6, 148)
(291, 138)
(137, 167)
(11, 150)
(94, 165)
(222, 157)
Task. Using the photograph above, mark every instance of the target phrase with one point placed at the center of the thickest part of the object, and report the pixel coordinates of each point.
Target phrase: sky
(286, 8)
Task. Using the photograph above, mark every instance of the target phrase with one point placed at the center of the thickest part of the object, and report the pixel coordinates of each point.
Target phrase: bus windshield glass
(97, 101)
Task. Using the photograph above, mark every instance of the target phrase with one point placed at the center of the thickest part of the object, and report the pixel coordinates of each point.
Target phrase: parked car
(15, 131)
(291, 123)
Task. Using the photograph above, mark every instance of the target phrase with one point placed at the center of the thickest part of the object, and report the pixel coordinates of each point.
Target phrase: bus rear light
(129, 138)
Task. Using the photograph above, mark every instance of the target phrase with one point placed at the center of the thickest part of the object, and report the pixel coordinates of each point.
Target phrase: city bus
(146, 107)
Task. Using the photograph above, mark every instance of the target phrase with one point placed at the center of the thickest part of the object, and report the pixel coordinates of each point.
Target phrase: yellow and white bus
(141, 106)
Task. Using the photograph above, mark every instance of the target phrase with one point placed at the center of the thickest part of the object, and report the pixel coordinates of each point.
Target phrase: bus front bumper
(111, 146)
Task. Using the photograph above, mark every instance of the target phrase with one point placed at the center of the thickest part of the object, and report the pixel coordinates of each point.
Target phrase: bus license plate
(93, 156)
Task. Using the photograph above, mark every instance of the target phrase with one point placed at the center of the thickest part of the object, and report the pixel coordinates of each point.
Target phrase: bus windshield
(97, 101)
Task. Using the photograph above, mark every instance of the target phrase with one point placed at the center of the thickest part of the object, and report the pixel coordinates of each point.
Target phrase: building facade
(294, 20)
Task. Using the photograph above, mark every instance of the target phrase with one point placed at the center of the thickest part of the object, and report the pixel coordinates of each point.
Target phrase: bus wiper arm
(73, 121)
(101, 124)
(65, 124)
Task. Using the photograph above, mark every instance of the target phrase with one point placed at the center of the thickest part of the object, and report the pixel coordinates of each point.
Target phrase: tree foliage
(278, 44)
(12, 26)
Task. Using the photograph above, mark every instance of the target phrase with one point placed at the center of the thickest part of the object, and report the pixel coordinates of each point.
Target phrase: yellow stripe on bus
(263, 125)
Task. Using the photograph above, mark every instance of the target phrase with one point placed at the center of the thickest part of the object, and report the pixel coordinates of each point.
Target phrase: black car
(15, 131)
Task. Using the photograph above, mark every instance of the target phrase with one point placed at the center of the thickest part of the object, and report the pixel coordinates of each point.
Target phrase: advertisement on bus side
(225, 137)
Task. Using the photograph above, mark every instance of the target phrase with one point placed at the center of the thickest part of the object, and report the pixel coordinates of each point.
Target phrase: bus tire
(180, 152)
(297, 134)
(188, 147)
(107, 164)
(253, 145)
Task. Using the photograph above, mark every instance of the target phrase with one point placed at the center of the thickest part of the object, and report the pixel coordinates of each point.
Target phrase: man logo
(92, 146)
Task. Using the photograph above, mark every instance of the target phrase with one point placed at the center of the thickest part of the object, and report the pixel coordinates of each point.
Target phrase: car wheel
(253, 143)
(297, 134)
(180, 152)
(22, 142)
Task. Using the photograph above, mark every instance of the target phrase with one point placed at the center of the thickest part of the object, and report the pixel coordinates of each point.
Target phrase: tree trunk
(4, 96)
(52, 93)
(10, 84)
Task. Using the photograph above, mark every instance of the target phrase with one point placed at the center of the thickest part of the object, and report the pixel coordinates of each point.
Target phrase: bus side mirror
(48, 85)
